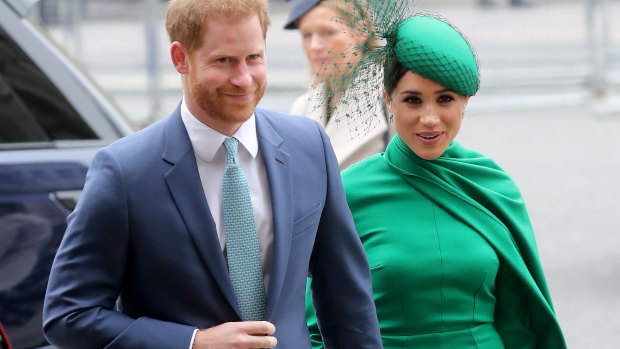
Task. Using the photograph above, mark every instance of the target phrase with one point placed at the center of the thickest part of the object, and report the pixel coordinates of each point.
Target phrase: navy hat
(301, 8)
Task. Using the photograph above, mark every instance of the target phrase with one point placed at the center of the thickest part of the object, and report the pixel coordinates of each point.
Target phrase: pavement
(540, 113)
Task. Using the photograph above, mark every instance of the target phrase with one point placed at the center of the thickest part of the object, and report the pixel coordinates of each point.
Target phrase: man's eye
(223, 59)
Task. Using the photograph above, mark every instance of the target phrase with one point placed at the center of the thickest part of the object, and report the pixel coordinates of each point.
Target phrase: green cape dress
(453, 257)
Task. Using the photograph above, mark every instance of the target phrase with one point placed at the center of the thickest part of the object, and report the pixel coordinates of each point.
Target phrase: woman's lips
(320, 61)
(429, 137)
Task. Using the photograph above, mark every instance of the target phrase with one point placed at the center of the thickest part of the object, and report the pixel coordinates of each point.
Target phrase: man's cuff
(191, 343)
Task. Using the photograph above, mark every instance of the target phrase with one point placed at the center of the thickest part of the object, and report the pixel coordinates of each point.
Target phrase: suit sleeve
(512, 315)
(315, 335)
(87, 274)
(341, 284)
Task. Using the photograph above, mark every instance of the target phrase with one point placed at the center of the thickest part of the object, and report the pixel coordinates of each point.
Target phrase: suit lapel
(185, 187)
(277, 165)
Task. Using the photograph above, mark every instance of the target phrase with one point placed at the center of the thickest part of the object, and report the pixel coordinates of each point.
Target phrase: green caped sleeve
(512, 312)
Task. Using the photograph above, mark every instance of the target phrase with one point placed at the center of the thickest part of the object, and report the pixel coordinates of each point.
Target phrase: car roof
(20, 6)
(90, 102)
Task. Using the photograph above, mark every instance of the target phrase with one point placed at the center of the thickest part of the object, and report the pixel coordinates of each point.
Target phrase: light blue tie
(244, 263)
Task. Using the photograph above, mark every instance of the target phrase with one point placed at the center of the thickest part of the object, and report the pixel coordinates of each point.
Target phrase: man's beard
(216, 105)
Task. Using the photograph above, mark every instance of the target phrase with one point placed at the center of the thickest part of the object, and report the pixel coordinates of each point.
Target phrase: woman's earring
(391, 118)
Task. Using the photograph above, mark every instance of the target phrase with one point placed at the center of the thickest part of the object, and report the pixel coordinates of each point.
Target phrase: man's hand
(237, 335)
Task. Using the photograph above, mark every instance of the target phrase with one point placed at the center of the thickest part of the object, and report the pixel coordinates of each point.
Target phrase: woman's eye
(412, 100)
(445, 99)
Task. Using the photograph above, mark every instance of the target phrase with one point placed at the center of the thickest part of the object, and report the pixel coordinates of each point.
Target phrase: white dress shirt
(210, 155)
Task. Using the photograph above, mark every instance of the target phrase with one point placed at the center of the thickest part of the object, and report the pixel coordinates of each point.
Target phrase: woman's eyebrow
(444, 90)
(410, 92)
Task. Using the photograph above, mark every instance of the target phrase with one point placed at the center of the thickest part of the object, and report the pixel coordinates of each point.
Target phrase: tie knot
(231, 144)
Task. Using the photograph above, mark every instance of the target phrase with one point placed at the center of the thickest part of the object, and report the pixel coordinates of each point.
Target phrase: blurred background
(534, 53)
(548, 111)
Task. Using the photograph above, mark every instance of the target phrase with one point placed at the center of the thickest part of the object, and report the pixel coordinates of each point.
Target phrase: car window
(32, 109)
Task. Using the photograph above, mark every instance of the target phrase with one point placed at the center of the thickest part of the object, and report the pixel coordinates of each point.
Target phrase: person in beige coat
(331, 46)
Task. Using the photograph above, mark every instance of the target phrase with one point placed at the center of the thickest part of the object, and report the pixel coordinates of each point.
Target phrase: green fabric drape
(477, 192)
(474, 188)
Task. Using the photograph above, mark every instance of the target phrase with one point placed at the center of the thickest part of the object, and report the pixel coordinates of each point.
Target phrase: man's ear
(180, 58)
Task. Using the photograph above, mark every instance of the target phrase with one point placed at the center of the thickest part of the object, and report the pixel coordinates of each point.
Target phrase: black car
(52, 121)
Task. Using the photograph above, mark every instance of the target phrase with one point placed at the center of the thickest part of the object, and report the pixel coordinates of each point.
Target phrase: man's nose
(241, 76)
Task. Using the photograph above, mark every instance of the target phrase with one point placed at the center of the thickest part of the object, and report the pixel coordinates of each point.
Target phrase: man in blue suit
(146, 260)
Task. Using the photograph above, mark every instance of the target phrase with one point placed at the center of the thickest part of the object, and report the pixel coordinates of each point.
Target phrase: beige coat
(349, 146)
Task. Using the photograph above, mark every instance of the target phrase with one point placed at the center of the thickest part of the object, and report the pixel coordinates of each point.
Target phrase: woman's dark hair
(393, 71)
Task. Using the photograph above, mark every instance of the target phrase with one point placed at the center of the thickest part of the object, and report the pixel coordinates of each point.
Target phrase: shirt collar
(207, 141)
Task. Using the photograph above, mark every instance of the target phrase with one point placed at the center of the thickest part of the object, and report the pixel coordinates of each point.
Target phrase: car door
(52, 121)
(4, 340)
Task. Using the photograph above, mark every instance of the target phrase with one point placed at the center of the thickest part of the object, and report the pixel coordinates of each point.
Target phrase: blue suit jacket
(143, 230)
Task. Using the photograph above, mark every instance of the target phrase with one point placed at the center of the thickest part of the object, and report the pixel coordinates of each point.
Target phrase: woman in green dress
(453, 257)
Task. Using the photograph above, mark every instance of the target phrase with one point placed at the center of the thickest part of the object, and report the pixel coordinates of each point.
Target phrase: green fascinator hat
(437, 51)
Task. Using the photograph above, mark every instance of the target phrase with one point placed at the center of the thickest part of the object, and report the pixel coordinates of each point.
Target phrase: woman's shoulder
(459, 155)
(459, 152)
(364, 170)
(370, 162)
(300, 105)
(480, 169)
